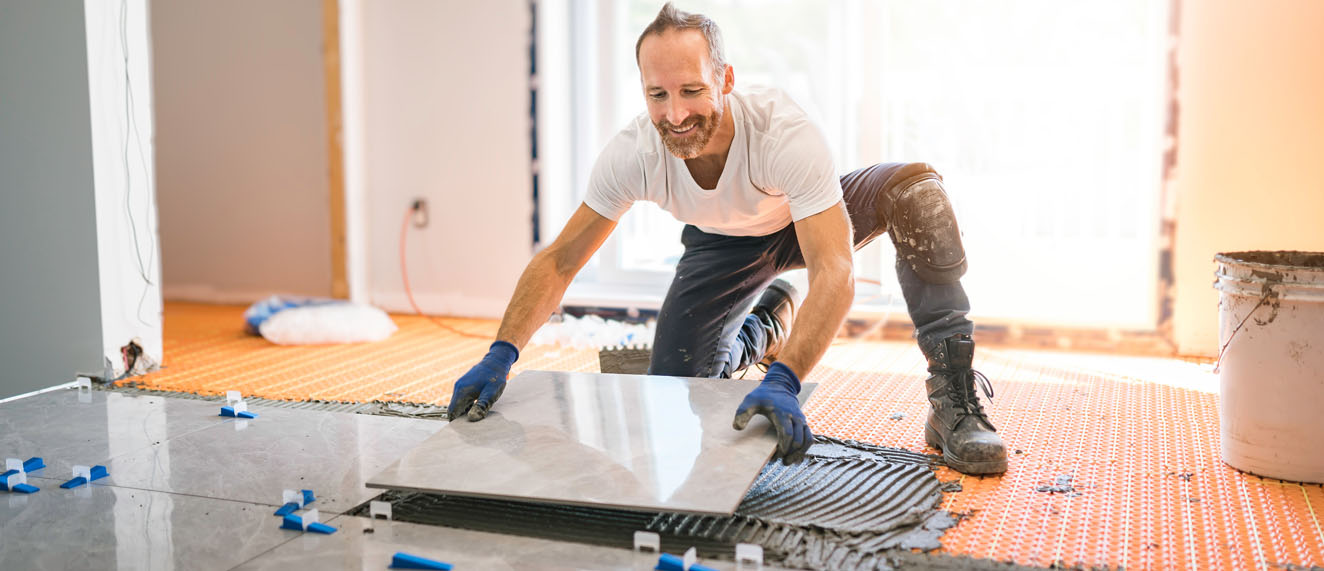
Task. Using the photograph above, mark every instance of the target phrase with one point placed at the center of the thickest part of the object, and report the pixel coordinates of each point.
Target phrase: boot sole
(932, 438)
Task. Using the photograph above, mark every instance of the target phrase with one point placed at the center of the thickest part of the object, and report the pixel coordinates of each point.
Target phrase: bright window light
(1044, 118)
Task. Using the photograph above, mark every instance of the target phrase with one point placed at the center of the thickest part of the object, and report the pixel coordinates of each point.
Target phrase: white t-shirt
(779, 170)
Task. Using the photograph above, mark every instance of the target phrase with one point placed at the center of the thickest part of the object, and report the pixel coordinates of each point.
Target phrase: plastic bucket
(1271, 363)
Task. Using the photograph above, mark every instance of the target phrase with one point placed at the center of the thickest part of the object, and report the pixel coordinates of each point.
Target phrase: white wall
(127, 248)
(353, 148)
(242, 167)
(445, 117)
(1251, 131)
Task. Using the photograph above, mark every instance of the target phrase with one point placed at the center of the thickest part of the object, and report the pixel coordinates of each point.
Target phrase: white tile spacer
(83, 383)
(291, 497)
(239, 406)
(309, 517)
(15, 479)
(691, 557)
(232, 397)
(749, 554)
(83, 471)
(378, 508)
(13, 464)
(649, 540)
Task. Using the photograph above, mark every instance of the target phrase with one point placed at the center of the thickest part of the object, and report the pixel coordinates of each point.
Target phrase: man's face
(684, 101)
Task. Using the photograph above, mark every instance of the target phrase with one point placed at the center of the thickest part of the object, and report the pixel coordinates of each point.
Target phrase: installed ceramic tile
(352, 548)
(656, 443)
(105, 527)
(332, 454)
(69, 427)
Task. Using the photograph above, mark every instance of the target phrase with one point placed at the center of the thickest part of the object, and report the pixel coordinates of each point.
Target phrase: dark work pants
(703, 330)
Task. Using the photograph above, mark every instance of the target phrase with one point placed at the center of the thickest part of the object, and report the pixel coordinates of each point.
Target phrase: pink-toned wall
(242, 168)
(1250, 162)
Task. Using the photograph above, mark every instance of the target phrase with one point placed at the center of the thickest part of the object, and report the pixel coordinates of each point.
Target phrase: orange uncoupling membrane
(1125, 447)
(206, 352)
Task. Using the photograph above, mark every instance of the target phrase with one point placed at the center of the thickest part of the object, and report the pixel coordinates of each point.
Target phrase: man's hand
(478, 389)
(775, 399)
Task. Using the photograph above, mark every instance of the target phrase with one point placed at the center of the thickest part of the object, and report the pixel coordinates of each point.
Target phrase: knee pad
(923, 227)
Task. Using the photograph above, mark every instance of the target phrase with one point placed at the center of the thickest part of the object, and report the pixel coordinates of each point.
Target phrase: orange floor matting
(1135, 438)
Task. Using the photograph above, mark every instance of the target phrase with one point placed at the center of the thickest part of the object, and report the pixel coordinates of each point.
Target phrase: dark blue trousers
(704, 328)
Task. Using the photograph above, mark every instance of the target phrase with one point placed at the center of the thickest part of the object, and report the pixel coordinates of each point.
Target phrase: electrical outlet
(420, 212)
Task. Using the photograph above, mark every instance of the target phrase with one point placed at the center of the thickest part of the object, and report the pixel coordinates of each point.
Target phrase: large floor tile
(332, 454)
(107, 527)
(354, 548)
(627, 441)
(71, 427)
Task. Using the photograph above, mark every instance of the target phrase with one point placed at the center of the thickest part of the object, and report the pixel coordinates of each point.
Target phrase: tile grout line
(106, 462)
(286, 542)
(273, 548)
(198, 496)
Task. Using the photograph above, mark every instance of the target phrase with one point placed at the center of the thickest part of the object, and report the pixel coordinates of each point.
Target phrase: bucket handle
(1269, 294)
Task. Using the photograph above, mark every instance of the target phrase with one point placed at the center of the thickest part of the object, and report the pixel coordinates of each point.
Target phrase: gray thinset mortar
(378, 408)
(850, 505)
(625, 360)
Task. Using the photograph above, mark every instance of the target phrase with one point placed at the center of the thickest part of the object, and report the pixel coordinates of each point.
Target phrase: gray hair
(670, 18)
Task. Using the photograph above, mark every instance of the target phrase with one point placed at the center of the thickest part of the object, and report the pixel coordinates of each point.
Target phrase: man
(753, 180)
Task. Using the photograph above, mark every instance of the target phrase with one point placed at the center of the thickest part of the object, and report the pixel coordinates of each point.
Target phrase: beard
(690, 144)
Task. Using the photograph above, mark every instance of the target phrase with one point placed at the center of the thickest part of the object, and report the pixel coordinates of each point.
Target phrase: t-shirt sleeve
(802, 168)
(616, 180)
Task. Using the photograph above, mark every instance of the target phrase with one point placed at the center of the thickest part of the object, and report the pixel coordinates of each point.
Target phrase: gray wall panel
(50, 320)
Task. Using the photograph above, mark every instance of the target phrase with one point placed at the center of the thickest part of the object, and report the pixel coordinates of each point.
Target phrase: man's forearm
(831, 291)
(537, 294)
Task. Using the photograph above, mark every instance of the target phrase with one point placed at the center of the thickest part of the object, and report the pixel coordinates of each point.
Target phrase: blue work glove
(478, 389)
(775, 399)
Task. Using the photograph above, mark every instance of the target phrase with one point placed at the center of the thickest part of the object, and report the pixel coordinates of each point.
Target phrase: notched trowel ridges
(850, 505)
(631, 360)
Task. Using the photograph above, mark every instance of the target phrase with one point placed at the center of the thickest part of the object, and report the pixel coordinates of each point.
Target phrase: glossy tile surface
(656, 443)
(69, 427)
(332, 454)
(104, 527)
(351, 548)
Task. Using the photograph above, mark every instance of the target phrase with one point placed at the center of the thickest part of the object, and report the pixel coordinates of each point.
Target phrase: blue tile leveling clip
(402, 560)
(15, 476)
(296, 523)
(235, 406)
(293, 501)
(669, 562)
(15, 481)
(229, 411)
(83, 475)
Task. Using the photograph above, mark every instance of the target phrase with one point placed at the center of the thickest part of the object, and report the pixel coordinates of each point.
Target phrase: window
(1044, 118)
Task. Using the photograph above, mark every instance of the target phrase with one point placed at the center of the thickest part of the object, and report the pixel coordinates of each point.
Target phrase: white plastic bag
(329, 323)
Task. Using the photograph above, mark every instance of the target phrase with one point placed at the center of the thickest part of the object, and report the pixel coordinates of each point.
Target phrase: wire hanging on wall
(404, 275)
(131, 130)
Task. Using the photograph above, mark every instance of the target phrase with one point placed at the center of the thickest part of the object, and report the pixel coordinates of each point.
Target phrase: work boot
(775, 310)
(957, 423)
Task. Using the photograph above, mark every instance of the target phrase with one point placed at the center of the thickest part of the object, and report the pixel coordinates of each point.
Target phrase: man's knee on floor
(922, 224)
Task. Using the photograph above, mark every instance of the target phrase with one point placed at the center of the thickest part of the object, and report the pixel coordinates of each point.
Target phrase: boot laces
(962, 392)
